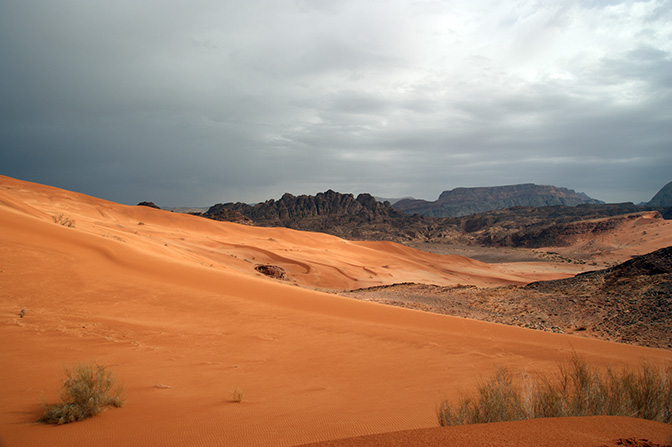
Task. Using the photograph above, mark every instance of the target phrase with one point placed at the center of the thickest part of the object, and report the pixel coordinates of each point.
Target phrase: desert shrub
(237, 395)
(64, 220)
(576, 390)
(86, 391)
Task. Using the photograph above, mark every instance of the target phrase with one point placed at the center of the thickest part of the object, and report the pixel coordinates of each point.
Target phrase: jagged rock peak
(289, 209)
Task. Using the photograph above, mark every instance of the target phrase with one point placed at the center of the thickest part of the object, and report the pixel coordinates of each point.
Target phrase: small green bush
(87, 389)
(577, 390)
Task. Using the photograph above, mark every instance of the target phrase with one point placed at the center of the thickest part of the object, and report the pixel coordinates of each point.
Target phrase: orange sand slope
(175, 308)
(310, 259)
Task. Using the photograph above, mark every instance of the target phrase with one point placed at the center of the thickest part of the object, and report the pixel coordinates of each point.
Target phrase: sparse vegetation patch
(87, 390)
(577, 390)
(237, 394)
(64, 220)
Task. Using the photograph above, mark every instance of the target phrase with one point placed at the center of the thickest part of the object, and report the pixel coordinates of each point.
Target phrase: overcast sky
(198, 102)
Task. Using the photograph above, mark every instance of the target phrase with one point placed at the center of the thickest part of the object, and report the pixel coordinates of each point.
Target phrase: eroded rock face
(329, 212)
(465, 201)
(290, 210)
(272, 271)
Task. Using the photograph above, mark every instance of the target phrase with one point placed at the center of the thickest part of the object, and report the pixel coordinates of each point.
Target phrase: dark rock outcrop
(291, 210)
(465, 201)
(329, 212)
(148, 204)
(272, 271)
(226, 215)
(630, 302)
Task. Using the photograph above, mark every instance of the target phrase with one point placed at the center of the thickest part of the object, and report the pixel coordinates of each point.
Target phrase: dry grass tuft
(577, 390)
(63, 220)
(237, 394)
(87, 390)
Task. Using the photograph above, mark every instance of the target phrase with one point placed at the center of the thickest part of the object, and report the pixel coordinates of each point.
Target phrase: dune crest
(597, 431)
(309, 259)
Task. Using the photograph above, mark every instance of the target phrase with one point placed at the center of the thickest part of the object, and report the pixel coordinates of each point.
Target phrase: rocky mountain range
(364, 218)
(465, 201)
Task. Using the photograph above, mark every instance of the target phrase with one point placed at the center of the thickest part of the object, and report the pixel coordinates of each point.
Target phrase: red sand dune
(172, 303)
(603, 431)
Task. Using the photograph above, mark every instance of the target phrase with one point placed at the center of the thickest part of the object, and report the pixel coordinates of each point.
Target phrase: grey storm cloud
(193, 103)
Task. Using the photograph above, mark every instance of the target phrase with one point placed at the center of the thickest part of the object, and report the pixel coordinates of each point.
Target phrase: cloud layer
(192, 103)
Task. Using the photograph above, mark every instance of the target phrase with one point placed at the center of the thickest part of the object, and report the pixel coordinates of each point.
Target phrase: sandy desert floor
(173, 305)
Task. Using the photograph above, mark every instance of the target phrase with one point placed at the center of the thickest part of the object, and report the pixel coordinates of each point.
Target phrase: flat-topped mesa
(465, 201)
